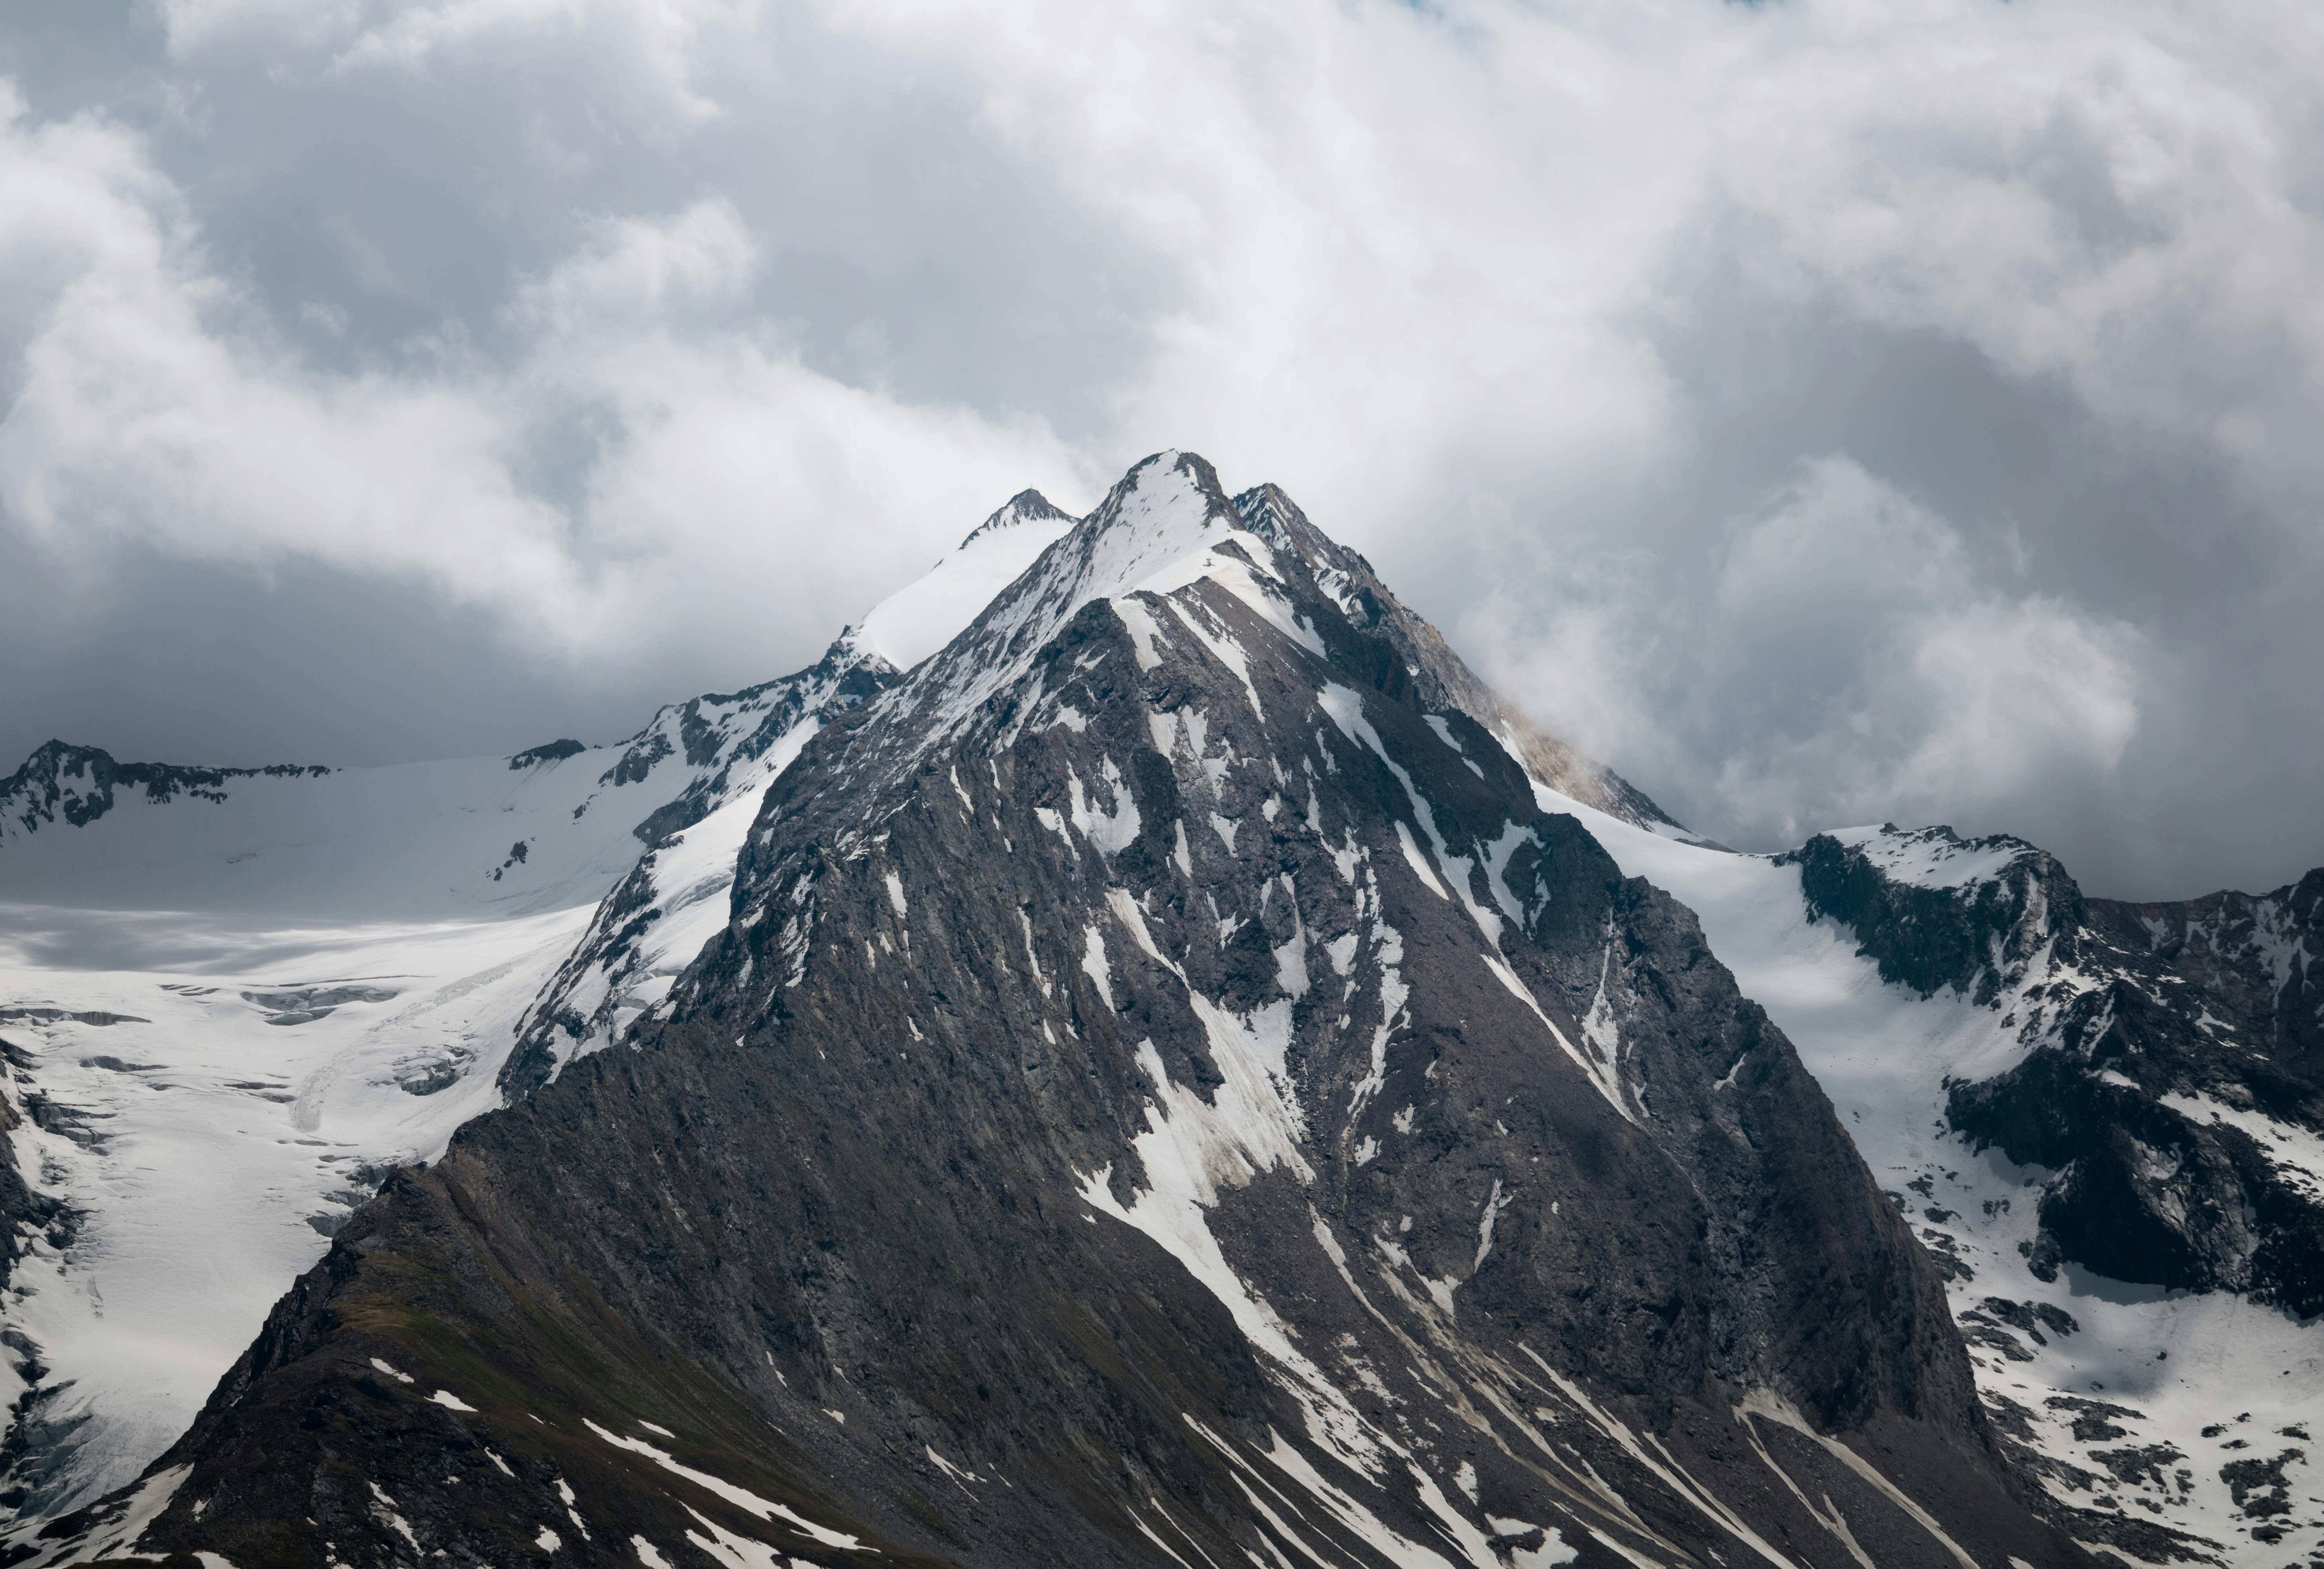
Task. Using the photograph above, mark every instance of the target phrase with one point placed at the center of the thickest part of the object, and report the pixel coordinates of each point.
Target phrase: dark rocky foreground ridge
(1166, 1094)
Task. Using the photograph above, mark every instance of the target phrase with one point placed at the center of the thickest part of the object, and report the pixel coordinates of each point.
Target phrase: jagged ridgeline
(1165, 1092)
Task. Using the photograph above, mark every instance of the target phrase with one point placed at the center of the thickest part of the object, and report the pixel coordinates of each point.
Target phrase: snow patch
(741, 1498)
(1094, 965)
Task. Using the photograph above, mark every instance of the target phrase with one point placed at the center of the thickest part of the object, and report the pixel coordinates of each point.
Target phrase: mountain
(1163, 1090)
(673, 899)
(2258, 954)
(1137, 1056)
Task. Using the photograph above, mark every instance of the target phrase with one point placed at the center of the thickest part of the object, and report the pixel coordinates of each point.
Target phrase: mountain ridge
(1289, 965)
(1205, 1095)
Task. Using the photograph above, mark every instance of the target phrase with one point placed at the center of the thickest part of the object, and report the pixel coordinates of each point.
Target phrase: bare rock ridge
(75, 785)
(1163, 1092)
(595, 993)
(2261, 954)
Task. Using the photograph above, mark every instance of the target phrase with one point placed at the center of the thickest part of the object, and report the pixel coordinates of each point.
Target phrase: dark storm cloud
(1827, 413)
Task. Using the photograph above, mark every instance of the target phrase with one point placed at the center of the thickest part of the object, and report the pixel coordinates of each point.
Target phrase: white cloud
(2118, 195)
(2025, 689)
(638, 270)
(657, 327)
(729, 493)
(1852, 658)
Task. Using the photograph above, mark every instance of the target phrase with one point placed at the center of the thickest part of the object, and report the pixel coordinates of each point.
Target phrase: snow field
(210, 1152)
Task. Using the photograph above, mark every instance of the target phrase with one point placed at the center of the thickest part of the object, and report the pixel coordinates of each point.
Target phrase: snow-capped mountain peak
(925, 614)
(1158, 1089)
(1139, 1056)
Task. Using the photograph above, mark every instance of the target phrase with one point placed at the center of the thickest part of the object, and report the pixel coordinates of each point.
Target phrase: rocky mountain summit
(1139, 1056)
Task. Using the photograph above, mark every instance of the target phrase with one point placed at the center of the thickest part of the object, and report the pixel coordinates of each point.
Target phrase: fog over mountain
(1826, 413)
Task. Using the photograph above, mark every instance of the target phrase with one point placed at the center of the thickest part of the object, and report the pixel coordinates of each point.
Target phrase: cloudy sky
(1827, 411)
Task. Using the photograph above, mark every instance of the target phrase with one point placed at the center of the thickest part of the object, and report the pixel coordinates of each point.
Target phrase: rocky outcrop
(1929, 928)
(75, 785)
(2261, 956)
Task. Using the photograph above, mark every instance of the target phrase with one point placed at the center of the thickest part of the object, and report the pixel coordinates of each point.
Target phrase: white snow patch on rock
(1094, 965)
(741, 1498)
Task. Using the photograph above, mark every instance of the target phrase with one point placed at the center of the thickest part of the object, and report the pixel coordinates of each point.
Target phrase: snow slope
(2142, 1371)
(208, 1139)
(922, 616)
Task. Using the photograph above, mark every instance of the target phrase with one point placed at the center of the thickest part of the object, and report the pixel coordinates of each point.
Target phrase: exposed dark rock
(2144, 1465)
(2256, 953)
(638, 761)
(845, 677)
(548, 752)
(1933, 938)
(24, 1211)
(2258, 1486)
(606, 962)
(52, 1015)
(77, 783)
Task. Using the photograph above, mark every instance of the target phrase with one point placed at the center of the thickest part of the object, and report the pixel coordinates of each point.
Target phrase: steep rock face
(2257, 954)
(1934, 910)
(1163, 1093)
(1409, 659)
(721, 735)
(26, 1212)
(652, 922)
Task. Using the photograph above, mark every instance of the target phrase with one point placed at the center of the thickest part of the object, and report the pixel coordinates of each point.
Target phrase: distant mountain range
(1137, 1057)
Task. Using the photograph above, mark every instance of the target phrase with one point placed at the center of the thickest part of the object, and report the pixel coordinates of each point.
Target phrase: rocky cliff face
(2257, 954)
(1162, 1092)
(643, 933)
